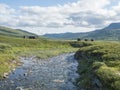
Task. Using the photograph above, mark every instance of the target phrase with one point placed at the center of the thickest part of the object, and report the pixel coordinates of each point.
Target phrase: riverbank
(99, 65)
(13, 48)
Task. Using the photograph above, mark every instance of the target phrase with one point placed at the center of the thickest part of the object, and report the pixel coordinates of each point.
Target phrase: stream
(56, 73)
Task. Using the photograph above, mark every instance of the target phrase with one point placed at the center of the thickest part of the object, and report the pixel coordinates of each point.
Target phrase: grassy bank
(12, 48)
(99, 65)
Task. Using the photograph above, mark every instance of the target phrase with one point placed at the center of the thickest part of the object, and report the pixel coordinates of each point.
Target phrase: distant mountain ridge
(14, 32)
(113, 26)
(111, 32)
(65, 35)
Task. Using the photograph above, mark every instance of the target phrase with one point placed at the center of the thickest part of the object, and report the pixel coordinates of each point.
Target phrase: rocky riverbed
(56, 73)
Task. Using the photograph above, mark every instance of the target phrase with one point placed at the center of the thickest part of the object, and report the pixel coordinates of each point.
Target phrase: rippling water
(57, 73)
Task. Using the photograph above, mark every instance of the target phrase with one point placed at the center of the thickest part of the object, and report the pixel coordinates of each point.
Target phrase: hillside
(13, 32)
(111, 32)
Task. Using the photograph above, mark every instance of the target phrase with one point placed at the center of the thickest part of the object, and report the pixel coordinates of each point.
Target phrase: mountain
(14, 32)
(65, 35)
(113, 26)
(111, 32)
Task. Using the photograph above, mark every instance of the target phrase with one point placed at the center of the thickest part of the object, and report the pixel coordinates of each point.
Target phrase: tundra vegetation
(99, 65)
(99, 61)
(12, 48)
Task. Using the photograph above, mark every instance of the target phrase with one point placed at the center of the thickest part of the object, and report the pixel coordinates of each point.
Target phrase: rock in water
(19, 88)
(5, 75)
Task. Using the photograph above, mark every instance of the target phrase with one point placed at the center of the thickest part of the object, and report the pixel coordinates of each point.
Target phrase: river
(56, 73)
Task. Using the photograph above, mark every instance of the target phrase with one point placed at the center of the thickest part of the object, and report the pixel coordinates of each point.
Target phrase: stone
(19, 88)
(5, 75)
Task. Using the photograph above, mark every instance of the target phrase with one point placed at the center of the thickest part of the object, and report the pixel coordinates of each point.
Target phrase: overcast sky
(59, 16)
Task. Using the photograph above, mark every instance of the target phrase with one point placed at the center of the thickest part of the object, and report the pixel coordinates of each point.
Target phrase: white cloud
(5, 9)
(76, 17)
(43, 30)
(7, 15)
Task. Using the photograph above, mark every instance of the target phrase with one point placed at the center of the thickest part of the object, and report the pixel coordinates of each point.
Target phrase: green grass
(99, 63)
(14, 32)
(12, 48)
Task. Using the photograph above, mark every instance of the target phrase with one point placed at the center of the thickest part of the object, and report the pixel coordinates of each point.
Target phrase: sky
(59, 16)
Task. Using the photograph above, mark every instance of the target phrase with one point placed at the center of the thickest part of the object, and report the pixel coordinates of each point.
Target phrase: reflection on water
(57, 73)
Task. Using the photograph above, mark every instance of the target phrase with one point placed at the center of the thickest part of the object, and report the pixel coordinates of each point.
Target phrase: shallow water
(56, 73)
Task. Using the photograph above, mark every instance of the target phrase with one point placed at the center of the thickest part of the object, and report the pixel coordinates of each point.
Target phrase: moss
(102, 61)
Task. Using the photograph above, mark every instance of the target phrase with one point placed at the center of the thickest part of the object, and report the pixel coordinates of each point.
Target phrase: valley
(97, 63)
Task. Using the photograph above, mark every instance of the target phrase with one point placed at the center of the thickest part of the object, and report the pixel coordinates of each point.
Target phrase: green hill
(112, 32)
(14, 32)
